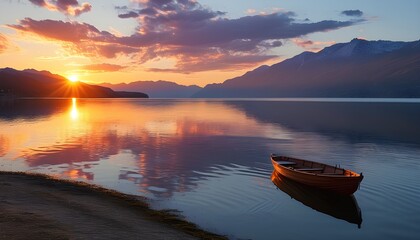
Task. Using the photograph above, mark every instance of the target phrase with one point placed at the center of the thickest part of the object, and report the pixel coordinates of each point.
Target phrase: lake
(209, 159)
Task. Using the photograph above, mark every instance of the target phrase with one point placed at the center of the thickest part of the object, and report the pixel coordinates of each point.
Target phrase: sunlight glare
(73, 78)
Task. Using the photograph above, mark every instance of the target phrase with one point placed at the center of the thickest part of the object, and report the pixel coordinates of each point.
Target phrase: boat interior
(312, 167)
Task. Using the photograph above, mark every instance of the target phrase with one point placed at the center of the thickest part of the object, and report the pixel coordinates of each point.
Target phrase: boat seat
(334, 173)
(309, 169)
(286, 163)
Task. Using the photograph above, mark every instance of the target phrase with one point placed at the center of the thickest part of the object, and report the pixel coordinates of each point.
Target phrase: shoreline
(39, 206)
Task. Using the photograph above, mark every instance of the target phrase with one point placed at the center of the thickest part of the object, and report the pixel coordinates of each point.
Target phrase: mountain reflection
(32, 109)
(355, 121)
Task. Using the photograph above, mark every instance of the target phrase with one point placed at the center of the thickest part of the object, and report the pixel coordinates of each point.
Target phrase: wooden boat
(339, 206)
(318, 175)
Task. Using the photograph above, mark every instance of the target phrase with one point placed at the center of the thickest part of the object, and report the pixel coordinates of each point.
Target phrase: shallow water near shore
(209, 159)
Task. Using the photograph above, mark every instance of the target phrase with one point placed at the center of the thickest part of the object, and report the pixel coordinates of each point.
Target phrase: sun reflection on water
(74, 112)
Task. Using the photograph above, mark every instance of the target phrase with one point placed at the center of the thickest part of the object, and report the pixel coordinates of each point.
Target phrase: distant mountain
(33, 83)
(358, 68)
(157, 89)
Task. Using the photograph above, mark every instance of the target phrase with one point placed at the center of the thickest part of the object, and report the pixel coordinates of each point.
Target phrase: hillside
(359, 68)
(33, 83)
(156, 89)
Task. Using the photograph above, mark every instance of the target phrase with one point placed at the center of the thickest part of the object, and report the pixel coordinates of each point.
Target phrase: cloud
(186, 32)
(4, 43)
(310, 45)
(76, 37)
(130, 14)
(352, 13)
(68, 7)
(197, 60)
(221, 63)
(251, 11)
(39, 3)
(303, 43)
(60, 30)
(103, 67)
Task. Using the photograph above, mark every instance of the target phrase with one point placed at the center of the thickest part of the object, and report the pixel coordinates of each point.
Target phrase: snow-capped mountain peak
(360, 47)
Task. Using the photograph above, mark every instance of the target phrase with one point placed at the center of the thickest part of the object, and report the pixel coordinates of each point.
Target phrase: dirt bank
(39, 207)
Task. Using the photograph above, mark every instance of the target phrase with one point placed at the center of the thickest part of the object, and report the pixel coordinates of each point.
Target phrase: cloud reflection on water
(4, 145)
(167, 143)
(166, 146)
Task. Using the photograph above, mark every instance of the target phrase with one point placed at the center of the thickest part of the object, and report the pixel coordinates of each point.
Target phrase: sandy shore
(39, 207)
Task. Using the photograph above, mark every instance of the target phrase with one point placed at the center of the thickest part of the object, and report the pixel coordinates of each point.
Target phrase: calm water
(209, 159)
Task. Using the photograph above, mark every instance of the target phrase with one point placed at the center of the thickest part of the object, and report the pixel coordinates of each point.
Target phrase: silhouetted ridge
(157, 89)
(359, 68)
(33, 83)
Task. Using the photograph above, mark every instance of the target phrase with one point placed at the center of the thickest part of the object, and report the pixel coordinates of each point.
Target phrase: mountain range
(33, 83)
(156, 89)
(359, 68)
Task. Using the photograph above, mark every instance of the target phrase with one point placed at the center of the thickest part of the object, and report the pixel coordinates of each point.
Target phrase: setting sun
(73, 78)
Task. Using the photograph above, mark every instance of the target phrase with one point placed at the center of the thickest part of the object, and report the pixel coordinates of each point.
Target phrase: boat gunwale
(354, 174)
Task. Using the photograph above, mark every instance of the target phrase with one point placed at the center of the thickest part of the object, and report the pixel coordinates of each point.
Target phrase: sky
(186, 41)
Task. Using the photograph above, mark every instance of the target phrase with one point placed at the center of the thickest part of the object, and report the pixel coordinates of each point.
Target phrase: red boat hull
(345, 184)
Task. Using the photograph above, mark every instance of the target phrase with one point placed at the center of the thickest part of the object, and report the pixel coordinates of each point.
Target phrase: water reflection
(75, 174)
(338, 206)
(4, 145)
(210, 159)
(354, 121)
(74, 112)
(162, 148)
(32, 109)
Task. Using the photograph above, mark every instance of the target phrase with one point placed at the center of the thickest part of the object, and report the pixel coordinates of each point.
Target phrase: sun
(73, 78)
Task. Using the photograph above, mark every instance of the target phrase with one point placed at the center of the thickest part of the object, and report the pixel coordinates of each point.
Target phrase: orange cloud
(4, 43)
(103, 67)
(313, 46)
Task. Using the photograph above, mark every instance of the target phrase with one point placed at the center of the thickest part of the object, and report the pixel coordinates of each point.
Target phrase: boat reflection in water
(339, 206)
